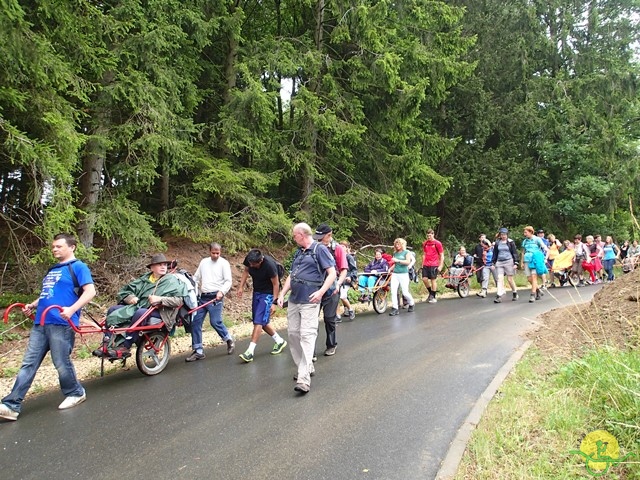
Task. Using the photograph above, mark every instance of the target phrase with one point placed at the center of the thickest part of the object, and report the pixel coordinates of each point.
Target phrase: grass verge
(544, 410)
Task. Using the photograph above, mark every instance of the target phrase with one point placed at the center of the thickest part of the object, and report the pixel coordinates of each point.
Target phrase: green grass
(9, 372)
(543, 411)
(84, 351)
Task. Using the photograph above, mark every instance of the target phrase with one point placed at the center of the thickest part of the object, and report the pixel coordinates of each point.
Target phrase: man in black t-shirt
(266, 287)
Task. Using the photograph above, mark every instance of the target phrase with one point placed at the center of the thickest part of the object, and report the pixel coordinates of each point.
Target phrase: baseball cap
(321, 231)
(503, 230)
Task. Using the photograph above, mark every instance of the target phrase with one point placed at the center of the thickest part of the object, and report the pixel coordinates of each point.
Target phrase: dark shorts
(430, 272)
(261, 308)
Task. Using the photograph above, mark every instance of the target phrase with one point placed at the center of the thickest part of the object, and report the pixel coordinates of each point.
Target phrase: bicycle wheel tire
(152, 355)
(573, 278)
(463, 288)
(380, 300)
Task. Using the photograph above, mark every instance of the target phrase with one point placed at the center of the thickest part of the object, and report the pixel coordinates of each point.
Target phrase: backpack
(352, 272)
(191, 300)
(413, 275)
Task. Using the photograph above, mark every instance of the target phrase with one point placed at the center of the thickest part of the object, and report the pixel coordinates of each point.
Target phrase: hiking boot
(302, 388)
(330, 351)
(195, 356)
(482, 293)
(514, 296)
(231, 346)
(119, 353)
(278, 347)
(532, 298)
(7, 413)
(246, 356)
(497, 299)
(71, 402)
(411, 308)
(394, 312)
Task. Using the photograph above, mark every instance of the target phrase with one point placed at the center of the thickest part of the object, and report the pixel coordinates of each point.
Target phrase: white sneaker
(71, 402)
(7, 413)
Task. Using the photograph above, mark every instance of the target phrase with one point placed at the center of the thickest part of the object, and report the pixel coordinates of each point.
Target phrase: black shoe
(514, 297)
(231, 346)
(497, 300)
(394, 312)
(99, 352)
(410, 309)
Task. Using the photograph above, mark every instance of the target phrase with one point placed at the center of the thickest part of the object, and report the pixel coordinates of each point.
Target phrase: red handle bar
(5, 317)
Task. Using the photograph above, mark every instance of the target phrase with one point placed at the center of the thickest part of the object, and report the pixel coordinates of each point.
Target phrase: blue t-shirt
(58, 289)
(609, 251)
(533, 244)
(489, 258)
(308, 273)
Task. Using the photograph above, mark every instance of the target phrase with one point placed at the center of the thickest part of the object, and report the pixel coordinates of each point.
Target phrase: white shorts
(344, 291)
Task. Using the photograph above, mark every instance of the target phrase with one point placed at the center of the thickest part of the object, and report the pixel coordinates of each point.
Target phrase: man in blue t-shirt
(313, 272)
(266, 286)
(69, 285)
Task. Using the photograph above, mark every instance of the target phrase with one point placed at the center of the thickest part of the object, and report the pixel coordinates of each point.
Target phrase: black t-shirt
(262, 275)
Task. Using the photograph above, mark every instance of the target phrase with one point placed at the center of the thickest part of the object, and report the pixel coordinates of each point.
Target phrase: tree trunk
(90, 183)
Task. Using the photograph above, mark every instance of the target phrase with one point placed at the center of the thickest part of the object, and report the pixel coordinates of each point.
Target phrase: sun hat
(158, 258)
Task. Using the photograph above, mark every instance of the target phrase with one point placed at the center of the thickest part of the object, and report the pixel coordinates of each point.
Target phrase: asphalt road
(386, 406)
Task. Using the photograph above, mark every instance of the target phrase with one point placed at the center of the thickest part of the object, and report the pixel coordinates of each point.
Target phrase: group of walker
(320, 274)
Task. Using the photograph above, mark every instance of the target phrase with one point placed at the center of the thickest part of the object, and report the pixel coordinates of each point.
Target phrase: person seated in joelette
(373, 270)
(460, 261)
(153, 288)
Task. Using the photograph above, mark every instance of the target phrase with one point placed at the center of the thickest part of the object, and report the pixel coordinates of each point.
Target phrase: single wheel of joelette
(463, 288)
(153, 354)
(380, 300)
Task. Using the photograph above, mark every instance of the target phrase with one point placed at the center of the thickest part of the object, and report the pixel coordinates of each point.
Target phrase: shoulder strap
(76, 285)
(77, 289)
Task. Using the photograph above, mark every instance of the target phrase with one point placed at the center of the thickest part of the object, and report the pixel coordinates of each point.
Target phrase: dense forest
(122, 120)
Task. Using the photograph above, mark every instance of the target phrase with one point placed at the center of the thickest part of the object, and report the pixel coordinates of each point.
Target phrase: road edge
(451, 461)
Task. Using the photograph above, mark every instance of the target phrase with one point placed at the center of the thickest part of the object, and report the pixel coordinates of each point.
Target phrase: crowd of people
(546, 261)
(322, 272)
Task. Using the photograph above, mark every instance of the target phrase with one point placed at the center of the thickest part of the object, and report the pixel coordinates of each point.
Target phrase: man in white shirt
(214, 278)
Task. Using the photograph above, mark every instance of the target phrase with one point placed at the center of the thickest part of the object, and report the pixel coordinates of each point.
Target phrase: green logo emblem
(600, 450)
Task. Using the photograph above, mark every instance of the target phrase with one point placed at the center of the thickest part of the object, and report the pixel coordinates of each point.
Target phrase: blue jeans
(59, 340)
(215, 318)
(608, 267)
(132, 337)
